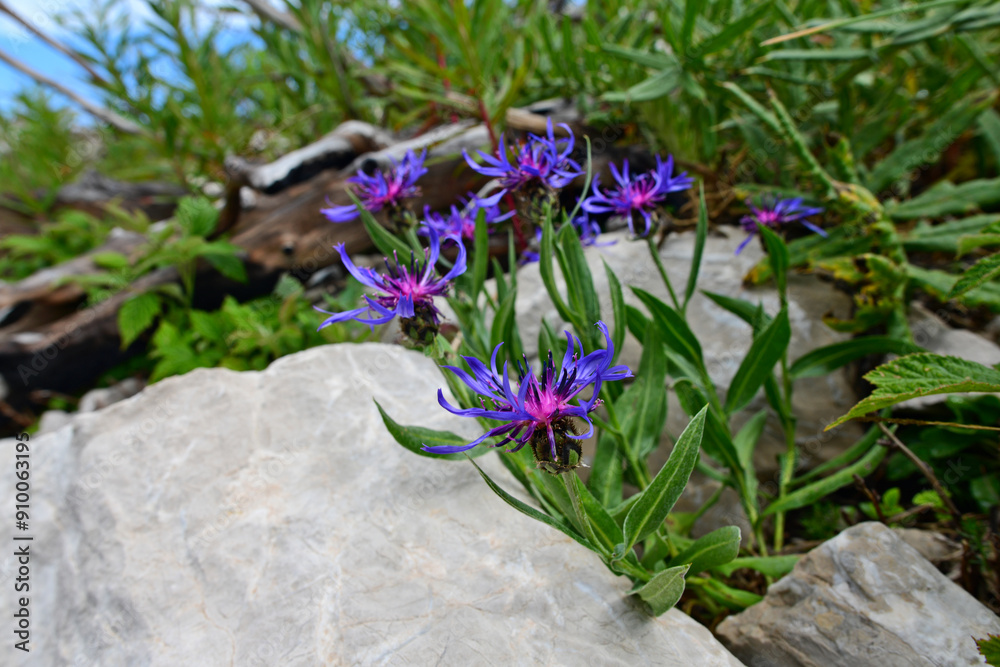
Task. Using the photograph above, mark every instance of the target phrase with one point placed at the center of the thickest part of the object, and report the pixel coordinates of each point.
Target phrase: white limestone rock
(863, 598)
(268, 518)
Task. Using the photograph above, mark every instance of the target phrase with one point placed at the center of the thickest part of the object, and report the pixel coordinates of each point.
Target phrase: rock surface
(724, 337)
(863, 598)
(268, 518)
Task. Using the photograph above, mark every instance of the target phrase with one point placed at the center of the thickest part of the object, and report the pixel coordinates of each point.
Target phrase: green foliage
(71, 235)
(922, 375)
(989, 648)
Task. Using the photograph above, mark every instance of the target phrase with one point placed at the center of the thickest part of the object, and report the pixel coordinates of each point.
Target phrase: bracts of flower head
(775, 211)
(460, 223)
(541, 411)
(534, 172)
(388, 190)
(639, 195)
(407, 291)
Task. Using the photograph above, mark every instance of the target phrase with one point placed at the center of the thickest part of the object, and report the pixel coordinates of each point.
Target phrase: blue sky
(19, 43)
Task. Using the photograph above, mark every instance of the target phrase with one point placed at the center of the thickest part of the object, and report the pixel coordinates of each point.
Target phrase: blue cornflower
(538, 162)
(383, 190)
(775, 211)
(409, 291)
(637, 194)
(541, 409)
(460, 224)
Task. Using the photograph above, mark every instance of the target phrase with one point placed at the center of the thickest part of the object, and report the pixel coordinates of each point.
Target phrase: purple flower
(461, 223)
(539, 161)
(409, 291)
(381, 190)
(639, 194)
(540, 410)
(775, 211)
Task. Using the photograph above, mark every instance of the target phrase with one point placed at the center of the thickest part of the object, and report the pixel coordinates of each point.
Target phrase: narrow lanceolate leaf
(547, 271)
(656, 86)
(664, 589)
(757, 366)
(754, 106)
(701, 234)
(136, 315)
(816, 491)
(656, 501)
(982, 271)
(772, 566)
(644, 403)
(818, 54)
(922, 375)
(414, 438)
(824, 360)
(718, 547)
(481, 259)
(386, 243)
(617, 310)
(528, 510)
(675, 331)
(602, 529)
(734, 30)
(778, 257)
(606, 475)
(579, 282)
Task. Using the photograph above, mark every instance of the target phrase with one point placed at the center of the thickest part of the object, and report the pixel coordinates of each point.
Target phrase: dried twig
(895, 443)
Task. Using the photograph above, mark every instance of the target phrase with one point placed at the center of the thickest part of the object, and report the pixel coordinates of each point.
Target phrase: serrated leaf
(824, 360)
(414, 438)
(197, 216)
(759, 362)
(982, 271)
(136, 315)
(228, 265)
(663, 591)
(989, 648)
(922, 375)
(718, 547)
(657, 499)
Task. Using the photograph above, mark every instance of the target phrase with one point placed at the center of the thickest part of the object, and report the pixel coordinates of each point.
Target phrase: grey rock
(96, 399)
(933, 546)
(863, 598)
(53, 420)
(724, 337)
(268, 518)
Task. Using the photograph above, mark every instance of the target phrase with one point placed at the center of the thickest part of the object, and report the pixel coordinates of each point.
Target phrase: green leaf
(718, 547)
(503, 328)
(606, 475)
(754, 106)
(617, 310)
(982, 271)
(480, 261)
(415, 437)
(824, 360)
(812, 55)
(989, 127)
(644, 403)
(701, 233)
(734, 598)
(583, 299)
(777, 255)
(528, 510)
(602, 529)
(197, 216)
(546, 252)
(946, 198)
(655, 87)
(922, 375)
(989, 648)
(228, 265)
(759, 362)
(771, 566)
(733, 30)
(657, 499)
(644, 58)
(110, 261)
(136, 315)
(928, 146)
(745, 441)
(818, 490)
(675, 331)
(386, 242)
(664, 589)
(742, 309)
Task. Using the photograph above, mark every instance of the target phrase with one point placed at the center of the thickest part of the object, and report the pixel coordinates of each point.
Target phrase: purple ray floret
(460, 223)
(539, 402)
(382, 190)
(407, 289)
(640, 194)
(773, 212)
(541, 159)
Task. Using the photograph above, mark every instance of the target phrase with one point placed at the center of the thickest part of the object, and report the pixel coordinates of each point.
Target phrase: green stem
(663, 272)
(788, 463)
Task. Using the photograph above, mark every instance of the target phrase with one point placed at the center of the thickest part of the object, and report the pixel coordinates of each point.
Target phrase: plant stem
(663, 272)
